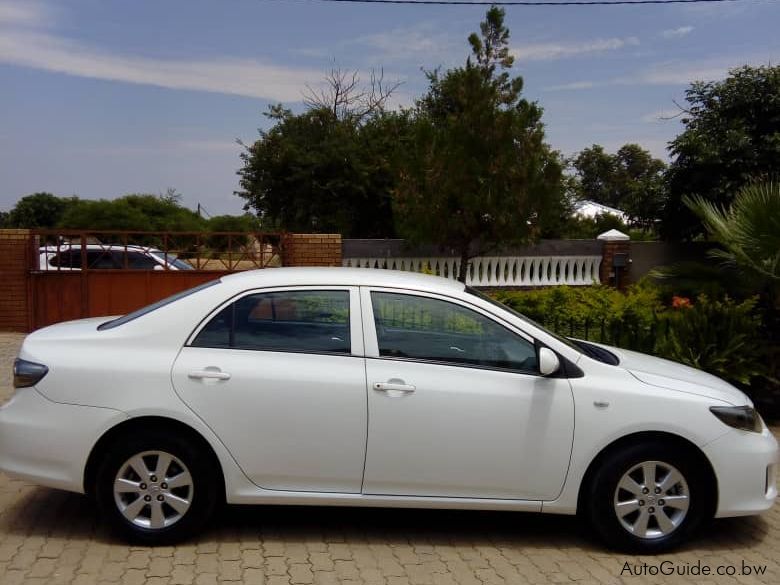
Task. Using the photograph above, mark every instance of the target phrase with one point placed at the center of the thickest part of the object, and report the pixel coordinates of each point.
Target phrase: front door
(456, 405)
(279, 377)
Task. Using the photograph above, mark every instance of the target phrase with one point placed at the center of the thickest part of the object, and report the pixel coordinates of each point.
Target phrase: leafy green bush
(719, 336)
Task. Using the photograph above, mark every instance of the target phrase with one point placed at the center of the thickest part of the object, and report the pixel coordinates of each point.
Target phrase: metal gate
(78, 274)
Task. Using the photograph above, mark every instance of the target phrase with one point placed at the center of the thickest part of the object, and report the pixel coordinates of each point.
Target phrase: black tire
(599, 499)
(202, 491)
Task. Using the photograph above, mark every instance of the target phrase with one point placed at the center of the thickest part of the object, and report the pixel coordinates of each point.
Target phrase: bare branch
(343, 96)
(678, 114)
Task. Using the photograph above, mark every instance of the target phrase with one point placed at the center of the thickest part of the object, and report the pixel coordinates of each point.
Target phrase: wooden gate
(75, 275)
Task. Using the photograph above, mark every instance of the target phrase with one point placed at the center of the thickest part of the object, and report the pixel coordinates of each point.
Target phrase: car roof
(107, 247)
(337, 276)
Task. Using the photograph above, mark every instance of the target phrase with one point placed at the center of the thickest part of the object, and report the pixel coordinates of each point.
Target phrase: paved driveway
(48, 536)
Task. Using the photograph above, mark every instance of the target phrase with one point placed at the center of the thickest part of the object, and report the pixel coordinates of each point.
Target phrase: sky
(99, 98)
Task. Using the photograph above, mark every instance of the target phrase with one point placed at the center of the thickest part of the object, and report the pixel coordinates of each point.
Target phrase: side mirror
(548, 362)
(158, 267)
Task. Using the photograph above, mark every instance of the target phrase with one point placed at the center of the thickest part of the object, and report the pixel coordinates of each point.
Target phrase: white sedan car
(358, 387)
(69, 257)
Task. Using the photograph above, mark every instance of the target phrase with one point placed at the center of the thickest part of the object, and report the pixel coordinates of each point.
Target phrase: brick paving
(52, 537)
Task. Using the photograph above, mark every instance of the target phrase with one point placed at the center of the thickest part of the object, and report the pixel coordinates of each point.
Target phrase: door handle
(208, 374)
(394, 387)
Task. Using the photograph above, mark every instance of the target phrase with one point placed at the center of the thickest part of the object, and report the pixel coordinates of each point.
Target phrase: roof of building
(589, 208)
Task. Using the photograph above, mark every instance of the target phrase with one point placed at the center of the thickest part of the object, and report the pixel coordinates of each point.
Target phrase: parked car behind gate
(102, 257)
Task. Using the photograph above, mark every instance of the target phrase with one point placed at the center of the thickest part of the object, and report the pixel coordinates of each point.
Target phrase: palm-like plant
(748, 233)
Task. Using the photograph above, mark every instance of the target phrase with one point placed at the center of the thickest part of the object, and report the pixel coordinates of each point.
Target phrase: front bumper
(745, 465)
(47, 442)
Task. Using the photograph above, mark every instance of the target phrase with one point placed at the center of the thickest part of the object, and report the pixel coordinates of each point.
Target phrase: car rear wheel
(155, 489)
(648, 498)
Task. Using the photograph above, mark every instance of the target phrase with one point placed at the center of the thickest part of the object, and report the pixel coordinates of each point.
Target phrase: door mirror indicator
(548, 362)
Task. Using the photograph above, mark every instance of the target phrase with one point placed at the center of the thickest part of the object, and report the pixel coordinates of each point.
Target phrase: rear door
(280, 378)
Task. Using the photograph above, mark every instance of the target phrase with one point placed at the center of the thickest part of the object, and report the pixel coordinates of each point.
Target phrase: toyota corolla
(360, 387)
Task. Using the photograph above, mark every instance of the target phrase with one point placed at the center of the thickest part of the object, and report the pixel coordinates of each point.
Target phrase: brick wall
(14, 263)
(613, 243)
(311, 250)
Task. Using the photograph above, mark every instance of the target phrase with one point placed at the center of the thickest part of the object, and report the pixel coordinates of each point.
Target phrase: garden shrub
(717, 336)
(720, 336)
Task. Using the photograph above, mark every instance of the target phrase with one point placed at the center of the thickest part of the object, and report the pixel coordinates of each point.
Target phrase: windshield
(492, 301)
(172, 260)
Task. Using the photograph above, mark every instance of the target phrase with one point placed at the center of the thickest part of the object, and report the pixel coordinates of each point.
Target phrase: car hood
(664, 373)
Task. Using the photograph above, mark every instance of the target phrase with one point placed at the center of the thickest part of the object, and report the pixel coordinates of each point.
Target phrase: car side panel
(38, 442)
(610, 405)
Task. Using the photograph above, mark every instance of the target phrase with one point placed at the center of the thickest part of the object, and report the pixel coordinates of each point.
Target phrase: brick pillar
(14, 273)
(311, 250)
(615, 258)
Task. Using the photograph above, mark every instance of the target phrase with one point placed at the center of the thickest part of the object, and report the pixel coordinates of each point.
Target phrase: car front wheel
(648, 498)
(155, 489)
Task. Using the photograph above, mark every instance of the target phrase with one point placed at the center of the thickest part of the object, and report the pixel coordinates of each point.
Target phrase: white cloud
(169, 148)
(210, 145)
(423, 43)
(28, 13)
(676, 33)
(572, 86)
(550, 51)
(667, 73)
(676, 73)
(244, 77)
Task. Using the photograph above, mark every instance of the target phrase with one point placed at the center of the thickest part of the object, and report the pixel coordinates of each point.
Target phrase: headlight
(743, 418)
(28, 373)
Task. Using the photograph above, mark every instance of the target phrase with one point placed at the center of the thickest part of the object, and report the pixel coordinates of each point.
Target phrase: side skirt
(267, 497)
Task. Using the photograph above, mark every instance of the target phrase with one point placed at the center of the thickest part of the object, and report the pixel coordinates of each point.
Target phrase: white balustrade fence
(497, 270)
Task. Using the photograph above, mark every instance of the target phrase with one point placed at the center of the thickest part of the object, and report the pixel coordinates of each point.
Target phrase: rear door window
(101, 260)
(315, 321)
(140, 261)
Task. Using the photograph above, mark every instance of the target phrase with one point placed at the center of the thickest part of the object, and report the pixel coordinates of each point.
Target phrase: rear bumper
(745, 464)
(47, 442)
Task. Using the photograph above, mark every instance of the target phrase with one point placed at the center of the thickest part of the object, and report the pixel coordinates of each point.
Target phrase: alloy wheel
(651, 499)
(153, 489)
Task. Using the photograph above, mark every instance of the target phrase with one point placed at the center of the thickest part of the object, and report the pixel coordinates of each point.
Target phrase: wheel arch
(143, 424)
(657, 437)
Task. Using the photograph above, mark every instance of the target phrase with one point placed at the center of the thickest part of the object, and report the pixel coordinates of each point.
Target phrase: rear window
(154, 306)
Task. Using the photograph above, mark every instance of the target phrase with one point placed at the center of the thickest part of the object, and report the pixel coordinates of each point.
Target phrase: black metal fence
(624, 332)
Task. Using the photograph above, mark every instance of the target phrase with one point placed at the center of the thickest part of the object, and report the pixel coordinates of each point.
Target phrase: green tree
(748, 233)
(475, 172)
(246, 223)
(234, 223)
(135, 212)
(39, 210)
(731, 138)
(328, 169)
(595, 171)
(631, 180)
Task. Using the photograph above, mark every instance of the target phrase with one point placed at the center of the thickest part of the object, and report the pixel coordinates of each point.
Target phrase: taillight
(28, 373)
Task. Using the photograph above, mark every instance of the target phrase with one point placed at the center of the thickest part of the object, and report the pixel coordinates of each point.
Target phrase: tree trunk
(464, 264)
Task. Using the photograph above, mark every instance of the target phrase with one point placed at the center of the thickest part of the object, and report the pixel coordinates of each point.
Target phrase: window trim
(372, 340)
(355, 324)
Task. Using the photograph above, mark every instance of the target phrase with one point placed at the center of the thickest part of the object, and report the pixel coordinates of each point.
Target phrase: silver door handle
(393, 387)
(209, 374)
